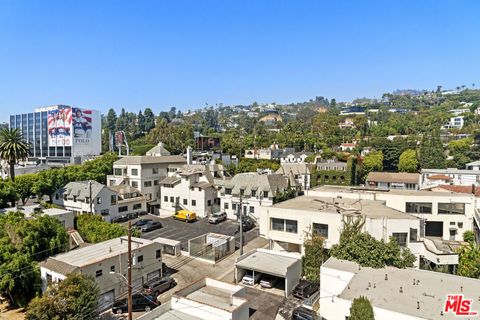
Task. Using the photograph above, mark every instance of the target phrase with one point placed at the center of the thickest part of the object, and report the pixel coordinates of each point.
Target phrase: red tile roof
(439, 177)
(461, 189)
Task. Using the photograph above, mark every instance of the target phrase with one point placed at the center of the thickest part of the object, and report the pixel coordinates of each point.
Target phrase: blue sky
(135, 54)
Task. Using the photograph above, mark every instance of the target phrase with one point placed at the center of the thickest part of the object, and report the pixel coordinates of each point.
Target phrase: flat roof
(430, 289)
(174, 315)
(55, 211)
(371, 208)
(274, 263)
(347, 189)
(100, 251)
(129, 160)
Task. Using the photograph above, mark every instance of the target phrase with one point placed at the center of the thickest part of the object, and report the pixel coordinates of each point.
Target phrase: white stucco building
(301, 173)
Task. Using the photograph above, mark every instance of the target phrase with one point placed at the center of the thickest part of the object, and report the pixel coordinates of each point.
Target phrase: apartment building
(253, 190)
(400, 294)
(393, 180)
(299, 172)
(107, 263)
(93, 197)
(288, 224)
(192, 188)
(145, 173)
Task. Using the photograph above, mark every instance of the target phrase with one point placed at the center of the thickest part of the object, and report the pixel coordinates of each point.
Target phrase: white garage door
(137, 285)
(106, 300)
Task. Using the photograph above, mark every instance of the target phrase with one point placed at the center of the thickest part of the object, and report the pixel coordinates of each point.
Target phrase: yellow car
(185, 215)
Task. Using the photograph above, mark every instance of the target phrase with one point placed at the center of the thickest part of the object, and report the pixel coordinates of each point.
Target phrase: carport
(284, 265)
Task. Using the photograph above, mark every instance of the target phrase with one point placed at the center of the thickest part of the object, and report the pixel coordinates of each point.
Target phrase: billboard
(206, 143)
(82, 125)
(59, 125)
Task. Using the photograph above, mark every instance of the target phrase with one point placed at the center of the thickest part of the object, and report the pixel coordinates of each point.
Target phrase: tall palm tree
(12, 148)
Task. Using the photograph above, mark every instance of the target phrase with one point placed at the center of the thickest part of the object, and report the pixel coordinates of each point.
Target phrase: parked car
(217, 217)
(132, 215)
(305, 289)
(159, 286)
(142, 213)
(121, 218)
(268, 281)
(141, 222)
(139, 303)
(185, 215)
(150, 226)
(303, 314)
(249, 279)
(247, 224)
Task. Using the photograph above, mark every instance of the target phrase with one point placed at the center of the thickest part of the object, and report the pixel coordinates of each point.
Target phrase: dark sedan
(150, 226)
(140, 223)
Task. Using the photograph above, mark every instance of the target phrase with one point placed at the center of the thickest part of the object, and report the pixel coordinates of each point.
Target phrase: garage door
(137, 285)
(105, 301)
(434, 229)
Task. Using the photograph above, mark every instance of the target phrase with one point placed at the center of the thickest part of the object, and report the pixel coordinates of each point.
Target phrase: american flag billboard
(82, 125)
(59, 126)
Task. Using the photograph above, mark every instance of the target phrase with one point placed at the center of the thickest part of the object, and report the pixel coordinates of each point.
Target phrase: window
(104, 212)
(452, 223)
(140, 258)
(418, 207)
(228, 191)
(172, 199)
(134, 172)
(194, 203)
(87, 199)
(56, 196)
(147, 184)
(158, 254)
(242, 192)
(49, 278)
(165, 198)
(135, 184)
(225, 206)
(74, 198)
(413, 234)
(99, 200)
(401, 238)
(277, 224)
(291, 226)
(118, 171)
(265, 194)
(252, 209)
(209, 203)
(123, 209)
(113, 199)
(98, 273)
(155, 182)
(320, 229)
(112, 268)
(65, 197)
(254, 193)
(137, 206)
(451, 208)
(234, 206)
(460, 225)
(154, 170)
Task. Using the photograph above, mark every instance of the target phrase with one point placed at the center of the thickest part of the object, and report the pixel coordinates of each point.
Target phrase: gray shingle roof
(399, 177)
(295, 168)
(81, 189)
(58, 266)
(150, 160)
(254, 181)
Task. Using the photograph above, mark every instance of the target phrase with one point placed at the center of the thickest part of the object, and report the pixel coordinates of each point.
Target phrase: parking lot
(182, 231)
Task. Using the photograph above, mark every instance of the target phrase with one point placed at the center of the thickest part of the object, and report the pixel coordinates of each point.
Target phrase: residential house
(454, 123)
(145, 173)
(435, 177)
(475, 165)
(107, 263)
(332, 172)
(158, 151)
(331, 165)
(347, 147)
(300, 172)
(294, 157)
(347, 123)
(93, 197)
(192, 188)
(252, 190)
(400, 294)
(393, 180)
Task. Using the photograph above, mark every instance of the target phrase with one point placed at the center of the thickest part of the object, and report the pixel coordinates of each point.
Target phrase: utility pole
(129, 271)
(90, 190)
(240, 211)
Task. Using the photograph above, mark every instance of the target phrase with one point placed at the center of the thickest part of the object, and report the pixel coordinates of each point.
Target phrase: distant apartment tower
(60, 133)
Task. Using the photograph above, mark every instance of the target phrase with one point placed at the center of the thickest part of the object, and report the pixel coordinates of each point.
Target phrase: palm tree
(12, 148)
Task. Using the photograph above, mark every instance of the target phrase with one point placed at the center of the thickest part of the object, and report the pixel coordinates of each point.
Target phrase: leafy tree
(367, 251)
(47, 183)
(94, 229)
(469, 236)
(469, 260)
(111, 120)
(12, 148)
(315, 255)
(141, 122)
(75, 298)
(461, 152)
(251, 165)
(431, 153)
(149, 119)
(7, 193)
(361, 309)
(373, 162)
(24, 186)
(408, 161)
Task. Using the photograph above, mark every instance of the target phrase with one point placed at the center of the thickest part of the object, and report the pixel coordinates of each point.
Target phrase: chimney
(189, 155)
(473, 189)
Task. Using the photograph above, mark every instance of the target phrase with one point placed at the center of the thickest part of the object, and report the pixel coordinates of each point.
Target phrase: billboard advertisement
(82, 125)
(59, 125)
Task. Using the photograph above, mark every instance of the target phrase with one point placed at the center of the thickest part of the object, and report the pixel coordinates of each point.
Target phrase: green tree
(314, 257)
(75, 298)
(7, 193)
(431, 153)
(373, 162)
(12, 148)
(47, 182)
(469, 236)
(361, 309)
(469, 260)
(408, 161)
(149, 119)
(24, 186)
